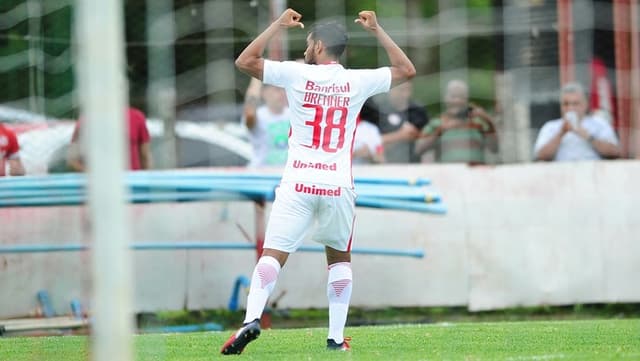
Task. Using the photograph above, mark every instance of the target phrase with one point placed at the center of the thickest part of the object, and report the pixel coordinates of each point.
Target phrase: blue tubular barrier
(271, 177)
(243, 282)
(434, 208)
(210, 326)
(402, 200)
(77, 179)
(195, 245)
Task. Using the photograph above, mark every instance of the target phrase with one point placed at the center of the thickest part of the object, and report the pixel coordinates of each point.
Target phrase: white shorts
(300, 206)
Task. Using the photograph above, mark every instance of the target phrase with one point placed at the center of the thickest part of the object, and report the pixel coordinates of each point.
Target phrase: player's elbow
(410, 71)
(403, 73)
(242, 63)
(249, 65)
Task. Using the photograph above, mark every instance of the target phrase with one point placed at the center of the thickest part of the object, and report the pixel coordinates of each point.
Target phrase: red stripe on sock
(267, 274)
(339, 286)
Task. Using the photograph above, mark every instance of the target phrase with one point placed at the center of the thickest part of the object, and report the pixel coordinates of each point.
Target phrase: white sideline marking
(536, 357)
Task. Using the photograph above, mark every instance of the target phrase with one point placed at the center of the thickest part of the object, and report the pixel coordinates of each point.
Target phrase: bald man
(462, 132)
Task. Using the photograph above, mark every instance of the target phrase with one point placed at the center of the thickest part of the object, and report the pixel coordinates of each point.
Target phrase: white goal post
(103, 96)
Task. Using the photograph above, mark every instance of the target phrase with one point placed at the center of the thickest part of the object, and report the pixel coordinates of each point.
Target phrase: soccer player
(10, 153)
(317, 184)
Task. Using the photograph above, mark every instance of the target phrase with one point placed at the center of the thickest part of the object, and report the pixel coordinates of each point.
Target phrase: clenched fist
(368, 20)
(289, 19)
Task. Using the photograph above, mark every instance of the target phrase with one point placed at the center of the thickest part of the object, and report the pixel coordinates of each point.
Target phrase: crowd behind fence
(512, 55)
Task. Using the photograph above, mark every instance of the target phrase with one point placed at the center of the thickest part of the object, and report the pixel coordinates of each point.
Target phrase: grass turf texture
(538, 340)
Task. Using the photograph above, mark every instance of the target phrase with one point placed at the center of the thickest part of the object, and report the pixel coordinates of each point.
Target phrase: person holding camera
(577, 135)
(399, 119)
(462, 132)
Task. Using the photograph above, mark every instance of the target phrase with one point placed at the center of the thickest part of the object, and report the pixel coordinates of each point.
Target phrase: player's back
(324, 101)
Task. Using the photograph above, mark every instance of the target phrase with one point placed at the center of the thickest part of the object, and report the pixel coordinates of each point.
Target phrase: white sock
(339, 293)
(263, 281)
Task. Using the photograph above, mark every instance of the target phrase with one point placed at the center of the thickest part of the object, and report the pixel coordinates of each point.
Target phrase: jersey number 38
(327, 124)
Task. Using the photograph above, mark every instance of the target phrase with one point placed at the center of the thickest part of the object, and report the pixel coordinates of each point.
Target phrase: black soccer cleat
(344, 346)
(239, 340)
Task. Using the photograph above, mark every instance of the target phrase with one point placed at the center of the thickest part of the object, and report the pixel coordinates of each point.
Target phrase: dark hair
(333, 35)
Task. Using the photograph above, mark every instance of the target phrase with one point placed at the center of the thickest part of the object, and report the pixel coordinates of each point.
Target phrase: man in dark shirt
(399, 120)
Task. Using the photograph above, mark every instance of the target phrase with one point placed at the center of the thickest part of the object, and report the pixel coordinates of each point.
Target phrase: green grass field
(514, 341)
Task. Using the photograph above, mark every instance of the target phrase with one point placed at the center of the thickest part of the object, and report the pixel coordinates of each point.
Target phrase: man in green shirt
(462, 132)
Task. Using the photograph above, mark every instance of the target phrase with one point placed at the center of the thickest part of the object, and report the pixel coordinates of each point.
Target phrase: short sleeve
(144, 131)
(546, 133)
(418, 116)
(278, 72)
(370, 112)
(373, 139)
(431, 127)
(482, 125)
(606, 133)
(138, 125)
(376, 80)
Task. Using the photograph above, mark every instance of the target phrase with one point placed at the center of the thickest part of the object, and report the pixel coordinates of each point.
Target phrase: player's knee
(334, 256)
(280, 256)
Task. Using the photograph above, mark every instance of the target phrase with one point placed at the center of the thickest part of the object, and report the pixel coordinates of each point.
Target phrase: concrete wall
(529, 234)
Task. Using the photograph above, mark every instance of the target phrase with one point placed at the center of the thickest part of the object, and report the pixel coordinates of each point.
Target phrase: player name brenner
(331, 99)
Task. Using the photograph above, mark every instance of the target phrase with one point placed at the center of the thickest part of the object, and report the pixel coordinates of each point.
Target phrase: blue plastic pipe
(198, 245)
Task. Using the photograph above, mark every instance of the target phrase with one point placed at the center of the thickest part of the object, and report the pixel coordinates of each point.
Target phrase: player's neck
(327, 61)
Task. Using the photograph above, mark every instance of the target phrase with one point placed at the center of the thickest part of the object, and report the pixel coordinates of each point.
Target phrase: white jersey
(573, 147)
(324, 101)
(269, 137)
(367, 135)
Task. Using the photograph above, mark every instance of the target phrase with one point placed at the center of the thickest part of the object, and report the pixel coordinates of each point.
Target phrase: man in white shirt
(268, 124)
(577, 135)
(367, 144)
(317, 184)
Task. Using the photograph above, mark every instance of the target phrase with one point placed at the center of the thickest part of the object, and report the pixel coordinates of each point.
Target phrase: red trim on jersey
(353, 140)
(353, 222)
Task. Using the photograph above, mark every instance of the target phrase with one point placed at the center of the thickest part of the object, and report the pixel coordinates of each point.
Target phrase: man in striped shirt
(462, 133)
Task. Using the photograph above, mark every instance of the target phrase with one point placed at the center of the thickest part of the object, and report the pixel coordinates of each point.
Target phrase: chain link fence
(180, 57)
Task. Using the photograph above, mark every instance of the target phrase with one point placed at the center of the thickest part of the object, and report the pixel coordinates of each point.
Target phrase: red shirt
(138, 134)
(8, 147)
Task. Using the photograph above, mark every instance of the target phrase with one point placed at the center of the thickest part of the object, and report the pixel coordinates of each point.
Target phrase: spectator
(138, 144)
(367, 144)
(577, 135)
(462, 133)
(399, 120)
(9, 153)
(268, 124)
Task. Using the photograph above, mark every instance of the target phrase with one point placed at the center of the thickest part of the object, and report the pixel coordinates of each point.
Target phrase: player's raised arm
(402, 68)
(250, 61)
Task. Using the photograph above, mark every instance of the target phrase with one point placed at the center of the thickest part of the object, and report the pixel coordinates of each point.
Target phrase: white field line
(536, 357)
